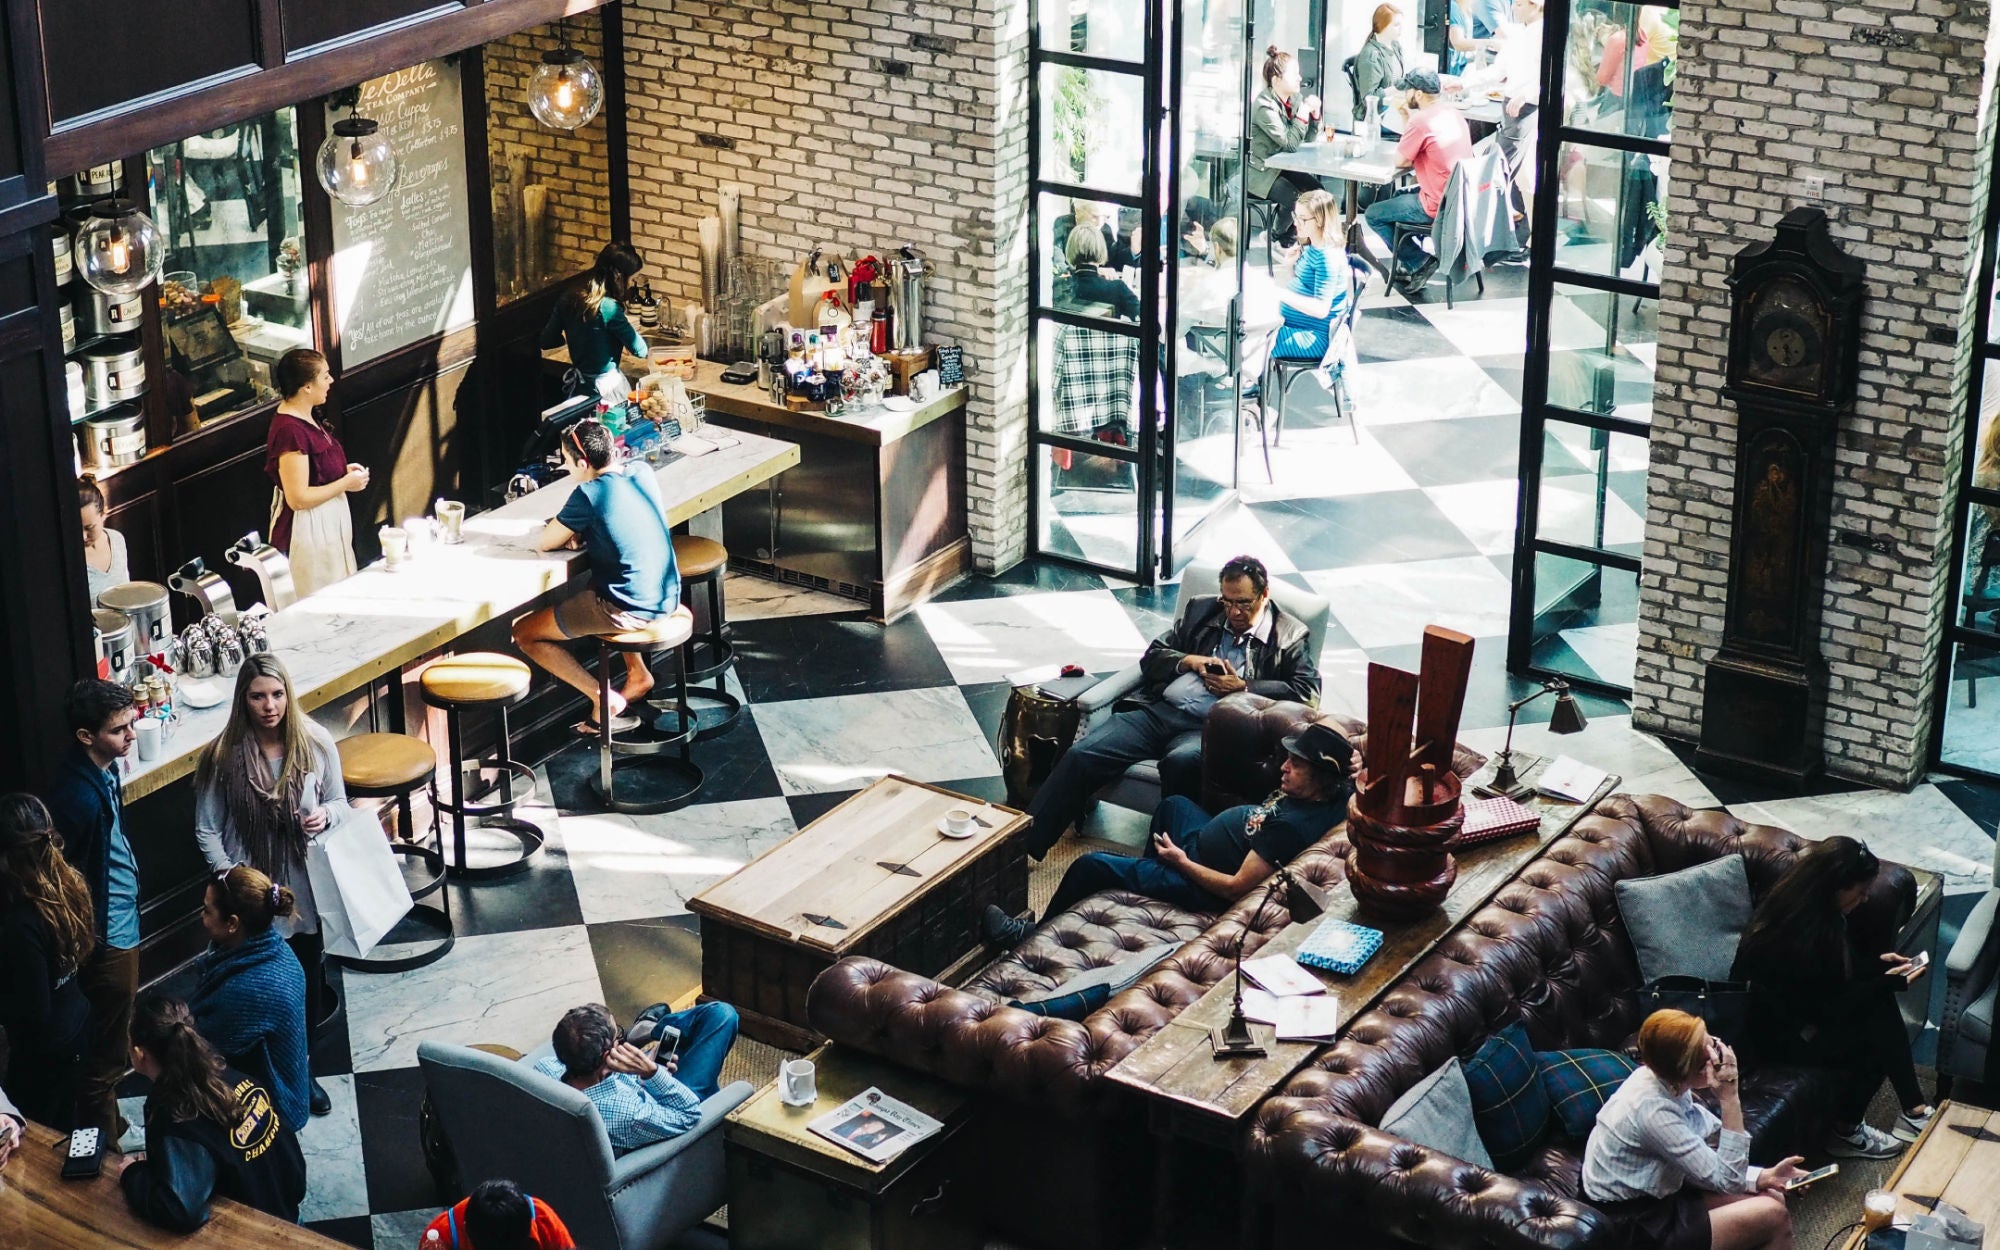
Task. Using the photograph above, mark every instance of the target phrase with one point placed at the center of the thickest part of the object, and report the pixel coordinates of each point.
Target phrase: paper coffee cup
(148, 730)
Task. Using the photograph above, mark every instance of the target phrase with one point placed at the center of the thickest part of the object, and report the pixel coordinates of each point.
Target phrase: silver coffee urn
(907, 274)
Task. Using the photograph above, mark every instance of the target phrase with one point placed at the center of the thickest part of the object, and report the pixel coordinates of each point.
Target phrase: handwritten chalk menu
(402, 266)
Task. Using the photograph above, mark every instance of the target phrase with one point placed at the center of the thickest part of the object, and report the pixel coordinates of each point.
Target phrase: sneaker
(1865, 1142)
(1910, 1127)
(1002, 931)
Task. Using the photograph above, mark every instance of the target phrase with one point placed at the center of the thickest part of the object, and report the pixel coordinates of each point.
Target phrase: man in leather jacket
(1238, 640)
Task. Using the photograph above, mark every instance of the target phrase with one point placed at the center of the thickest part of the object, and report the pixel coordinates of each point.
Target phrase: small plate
(899, 403)
(200, 694)
(948, 832)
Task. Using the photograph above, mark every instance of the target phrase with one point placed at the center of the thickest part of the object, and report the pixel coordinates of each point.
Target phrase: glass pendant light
(119, 250)
(357, 165)
(567, 91)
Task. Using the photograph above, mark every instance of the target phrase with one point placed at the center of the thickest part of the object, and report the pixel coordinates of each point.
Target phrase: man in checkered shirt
(641, 1101)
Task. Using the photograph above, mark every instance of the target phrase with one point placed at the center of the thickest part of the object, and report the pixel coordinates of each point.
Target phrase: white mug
(796, 1086)
(395, 545)
(959, 820)
(148, 729)
(451, 521)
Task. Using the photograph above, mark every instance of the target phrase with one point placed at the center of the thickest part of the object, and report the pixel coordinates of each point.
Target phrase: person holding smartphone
(649, 1094)
(1672, 1174)
(267, 786)
(1824, 995)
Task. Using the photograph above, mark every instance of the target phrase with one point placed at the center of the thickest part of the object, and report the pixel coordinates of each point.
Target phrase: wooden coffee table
(1957, 1160)
(873, 877)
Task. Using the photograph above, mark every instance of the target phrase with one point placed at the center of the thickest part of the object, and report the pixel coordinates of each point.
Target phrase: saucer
(199, 694)
(899, 403)
(949, 832)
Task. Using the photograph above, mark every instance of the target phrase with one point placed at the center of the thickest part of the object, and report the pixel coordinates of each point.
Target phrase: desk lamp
(1567, 718)
(1234, 1040)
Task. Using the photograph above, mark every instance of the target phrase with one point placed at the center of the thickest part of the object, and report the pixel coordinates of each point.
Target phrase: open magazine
(875, 1126)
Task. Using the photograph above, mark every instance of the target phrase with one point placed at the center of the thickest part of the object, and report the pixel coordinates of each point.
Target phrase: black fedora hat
(1322, 745)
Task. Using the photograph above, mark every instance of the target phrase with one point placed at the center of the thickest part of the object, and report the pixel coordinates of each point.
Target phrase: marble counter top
(377, 621)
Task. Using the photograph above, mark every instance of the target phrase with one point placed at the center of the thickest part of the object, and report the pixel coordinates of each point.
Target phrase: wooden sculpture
(1406, 798)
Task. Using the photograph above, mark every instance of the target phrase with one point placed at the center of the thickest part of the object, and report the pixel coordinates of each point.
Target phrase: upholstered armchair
(503, 1118)
(1965, 1030)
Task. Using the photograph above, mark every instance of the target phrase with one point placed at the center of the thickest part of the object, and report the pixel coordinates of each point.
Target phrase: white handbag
(357, 885)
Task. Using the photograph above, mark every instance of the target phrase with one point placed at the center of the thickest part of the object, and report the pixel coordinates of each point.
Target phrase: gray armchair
(1139, 788)
(1965, 1030)
(503, 1118)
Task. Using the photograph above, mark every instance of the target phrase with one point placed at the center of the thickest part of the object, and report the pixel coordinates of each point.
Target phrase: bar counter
(377, 621)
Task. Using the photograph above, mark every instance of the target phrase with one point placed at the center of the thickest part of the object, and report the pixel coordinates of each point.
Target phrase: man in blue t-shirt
(88, 806)
(615, 514)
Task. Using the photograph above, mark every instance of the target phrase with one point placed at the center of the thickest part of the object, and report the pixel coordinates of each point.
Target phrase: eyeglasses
(1242, 605)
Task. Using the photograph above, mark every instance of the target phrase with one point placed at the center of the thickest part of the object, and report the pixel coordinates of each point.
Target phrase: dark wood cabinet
(101, 54)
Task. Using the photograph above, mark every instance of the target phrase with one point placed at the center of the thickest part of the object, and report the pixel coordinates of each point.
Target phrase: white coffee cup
(395, 545)
(148, 729)
(959, 820)
(451, 521)
(796, 1086)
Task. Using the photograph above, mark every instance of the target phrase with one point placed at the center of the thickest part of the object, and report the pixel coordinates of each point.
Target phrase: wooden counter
(875, 510)
(377, 621)
(40, 1209)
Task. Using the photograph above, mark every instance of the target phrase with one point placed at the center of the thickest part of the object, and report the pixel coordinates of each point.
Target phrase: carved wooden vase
(1401, 869)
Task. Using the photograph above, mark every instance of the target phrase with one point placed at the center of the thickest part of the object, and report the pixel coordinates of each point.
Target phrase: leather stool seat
(661, 632)
(385, 763)
(476, 677)
(699, 557)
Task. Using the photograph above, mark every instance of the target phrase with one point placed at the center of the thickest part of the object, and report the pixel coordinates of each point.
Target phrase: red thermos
(878, 331)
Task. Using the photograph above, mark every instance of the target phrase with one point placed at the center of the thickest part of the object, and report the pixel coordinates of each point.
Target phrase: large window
(1600, 229)
(1968, 734)
(233, 297)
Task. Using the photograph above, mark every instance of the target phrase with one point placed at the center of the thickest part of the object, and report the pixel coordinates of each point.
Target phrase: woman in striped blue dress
(1319, 286)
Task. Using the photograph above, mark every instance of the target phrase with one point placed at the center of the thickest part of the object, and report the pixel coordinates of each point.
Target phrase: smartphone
(1216, 669)
(1807, 1178)
(1920, 961)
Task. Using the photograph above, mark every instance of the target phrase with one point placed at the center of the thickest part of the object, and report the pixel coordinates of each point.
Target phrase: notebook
(1490, 819)
(1338, 946)
(1565, 778)
(1282, 976)
(1315, 1019)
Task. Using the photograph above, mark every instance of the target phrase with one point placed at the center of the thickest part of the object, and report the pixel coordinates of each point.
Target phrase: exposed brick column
(870, 123)
(1886, 100)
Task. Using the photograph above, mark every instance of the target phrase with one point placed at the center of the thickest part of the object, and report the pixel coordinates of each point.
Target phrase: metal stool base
(683, 778)
(714, 711)
(525, 832)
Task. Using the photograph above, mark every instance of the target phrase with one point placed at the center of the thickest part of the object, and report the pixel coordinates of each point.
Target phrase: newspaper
(875, 1126)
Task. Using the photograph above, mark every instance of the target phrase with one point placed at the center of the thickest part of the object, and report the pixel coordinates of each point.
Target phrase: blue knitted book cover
(1338, 946)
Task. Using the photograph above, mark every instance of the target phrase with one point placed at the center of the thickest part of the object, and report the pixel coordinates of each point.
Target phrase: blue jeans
(707, 1032)
(1156, 731)
(1407, 208)
(1180, 818)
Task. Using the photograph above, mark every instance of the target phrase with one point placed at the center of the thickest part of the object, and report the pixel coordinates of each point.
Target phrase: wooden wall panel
(99, 54)
(311, 22)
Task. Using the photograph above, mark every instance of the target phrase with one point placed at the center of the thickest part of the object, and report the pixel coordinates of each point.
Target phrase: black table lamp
(1567, 718)
(1234, 1040)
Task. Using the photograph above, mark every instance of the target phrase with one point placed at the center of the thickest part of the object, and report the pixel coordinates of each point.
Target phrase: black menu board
(402, 266)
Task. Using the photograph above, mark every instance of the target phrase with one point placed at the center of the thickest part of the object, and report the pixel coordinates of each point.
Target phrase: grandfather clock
(1794, 344)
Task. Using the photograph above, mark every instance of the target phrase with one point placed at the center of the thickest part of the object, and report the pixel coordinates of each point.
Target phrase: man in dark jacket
(1238, 640)
(89, 809)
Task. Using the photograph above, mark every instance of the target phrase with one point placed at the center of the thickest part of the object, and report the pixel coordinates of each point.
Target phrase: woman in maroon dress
(311, 477)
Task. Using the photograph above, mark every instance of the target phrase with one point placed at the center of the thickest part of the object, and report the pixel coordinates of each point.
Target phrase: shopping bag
(357, 886)
(820, 274)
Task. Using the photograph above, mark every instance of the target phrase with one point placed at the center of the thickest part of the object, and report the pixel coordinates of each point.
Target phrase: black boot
(320, 1102)
(1002, 931)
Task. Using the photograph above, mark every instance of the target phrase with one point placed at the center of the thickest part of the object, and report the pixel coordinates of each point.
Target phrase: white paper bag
(357, 886)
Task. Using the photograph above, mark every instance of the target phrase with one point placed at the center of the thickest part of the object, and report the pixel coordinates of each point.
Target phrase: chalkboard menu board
(402, 266)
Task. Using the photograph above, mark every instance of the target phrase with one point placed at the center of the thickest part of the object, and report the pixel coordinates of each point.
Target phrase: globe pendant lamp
(357, 165)
(119, 251)
(567, 91)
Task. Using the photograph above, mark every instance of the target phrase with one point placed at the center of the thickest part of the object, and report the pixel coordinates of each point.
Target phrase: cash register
(206, 353)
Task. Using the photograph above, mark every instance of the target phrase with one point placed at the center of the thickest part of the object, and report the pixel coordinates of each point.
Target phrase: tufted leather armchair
(1035, 1064)
(1549, 949)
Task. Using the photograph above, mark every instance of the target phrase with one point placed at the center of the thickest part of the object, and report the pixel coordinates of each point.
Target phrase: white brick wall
(572, 165)
(868, 123)
(1885, 98)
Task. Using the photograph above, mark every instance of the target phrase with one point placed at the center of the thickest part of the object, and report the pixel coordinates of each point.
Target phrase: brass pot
(1035, 730)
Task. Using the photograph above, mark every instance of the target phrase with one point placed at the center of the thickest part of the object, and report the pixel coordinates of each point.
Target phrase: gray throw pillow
(1437, 1112)
(1687, 923)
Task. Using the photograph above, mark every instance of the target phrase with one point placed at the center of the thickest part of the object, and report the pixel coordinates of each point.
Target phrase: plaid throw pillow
(1508, 1102)
(1577, 1083)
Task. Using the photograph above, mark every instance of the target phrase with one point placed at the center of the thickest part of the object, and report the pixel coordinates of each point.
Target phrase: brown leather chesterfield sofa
(1550, 950)
(1047, 1126)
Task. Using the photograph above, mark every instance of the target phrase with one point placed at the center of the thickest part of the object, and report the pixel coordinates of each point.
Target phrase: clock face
(1787, 338)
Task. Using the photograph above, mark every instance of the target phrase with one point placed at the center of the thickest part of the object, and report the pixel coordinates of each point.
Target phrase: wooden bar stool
(471, 682)
(681, 777)
(396, 766)
(705, 561)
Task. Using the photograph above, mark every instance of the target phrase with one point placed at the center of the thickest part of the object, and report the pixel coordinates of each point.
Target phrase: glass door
(1095, 308)
(1599, 227)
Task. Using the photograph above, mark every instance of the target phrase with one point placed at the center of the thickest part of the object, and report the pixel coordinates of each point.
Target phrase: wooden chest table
(1957, 1160)
(871, 877)
(40, 1209)
(791, 1189)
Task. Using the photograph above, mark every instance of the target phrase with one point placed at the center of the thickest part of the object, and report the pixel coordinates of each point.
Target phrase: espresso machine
(194, 580)
(272, 568)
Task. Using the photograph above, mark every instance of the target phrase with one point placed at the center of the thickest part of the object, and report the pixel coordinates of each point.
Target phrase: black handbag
(1724, 1006)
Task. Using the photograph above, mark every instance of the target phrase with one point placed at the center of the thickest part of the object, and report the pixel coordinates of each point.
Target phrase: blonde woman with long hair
(268, 785)
(46, 931)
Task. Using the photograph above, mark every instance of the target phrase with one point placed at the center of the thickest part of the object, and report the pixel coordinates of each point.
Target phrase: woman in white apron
(311, 476)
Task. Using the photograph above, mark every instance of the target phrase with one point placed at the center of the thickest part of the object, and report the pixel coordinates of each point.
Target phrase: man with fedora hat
(1206, 863)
